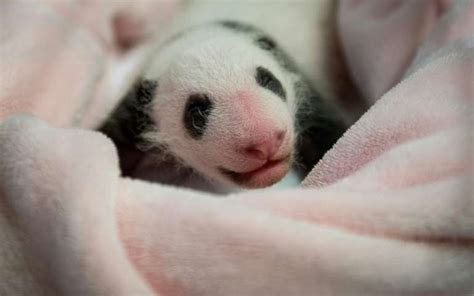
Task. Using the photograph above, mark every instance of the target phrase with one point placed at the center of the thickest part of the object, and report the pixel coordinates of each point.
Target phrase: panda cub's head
(224, 105)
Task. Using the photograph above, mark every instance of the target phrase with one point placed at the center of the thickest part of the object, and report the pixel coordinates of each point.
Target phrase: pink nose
(264, 149)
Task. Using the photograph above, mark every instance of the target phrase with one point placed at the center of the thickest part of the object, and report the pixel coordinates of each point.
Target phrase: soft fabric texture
(67, 61)
(388, 211)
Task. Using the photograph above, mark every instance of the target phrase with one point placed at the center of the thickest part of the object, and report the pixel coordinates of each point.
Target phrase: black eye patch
(267, 80)
(196, 114)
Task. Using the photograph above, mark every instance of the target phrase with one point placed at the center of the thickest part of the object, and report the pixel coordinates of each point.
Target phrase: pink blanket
(388, 211)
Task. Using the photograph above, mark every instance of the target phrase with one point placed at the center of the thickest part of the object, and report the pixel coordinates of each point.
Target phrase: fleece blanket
(388, 211)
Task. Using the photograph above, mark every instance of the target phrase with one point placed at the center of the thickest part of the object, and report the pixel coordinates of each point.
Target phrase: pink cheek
(246, 100)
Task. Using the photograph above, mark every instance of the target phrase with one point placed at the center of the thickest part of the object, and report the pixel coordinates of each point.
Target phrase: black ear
(319, 125)
(130, 118)
(128, 121)
(266, 43)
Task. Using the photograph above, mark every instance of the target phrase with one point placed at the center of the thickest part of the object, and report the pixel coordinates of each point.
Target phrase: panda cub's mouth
(266, 175)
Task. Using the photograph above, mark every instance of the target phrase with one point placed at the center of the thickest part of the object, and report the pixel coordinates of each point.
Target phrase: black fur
(267, 80)
(130, 119)
(318, 126)
(266, 43)
(126, 124)
(237, 26)
(196, 115)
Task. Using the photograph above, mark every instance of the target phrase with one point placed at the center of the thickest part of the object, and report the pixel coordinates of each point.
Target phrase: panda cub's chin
(271, 172)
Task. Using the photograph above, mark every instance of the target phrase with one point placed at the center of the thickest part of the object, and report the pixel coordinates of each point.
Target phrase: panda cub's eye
(196, 114)
(266, 79)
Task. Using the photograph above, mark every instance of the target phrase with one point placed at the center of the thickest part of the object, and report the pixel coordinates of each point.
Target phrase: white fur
(299, 26)
(221, 63)
(217, 61)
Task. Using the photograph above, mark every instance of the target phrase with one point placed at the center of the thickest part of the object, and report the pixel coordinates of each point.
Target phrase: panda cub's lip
(279, 166)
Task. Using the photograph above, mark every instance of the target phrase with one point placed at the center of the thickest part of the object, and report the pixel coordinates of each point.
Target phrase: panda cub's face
(225, 107)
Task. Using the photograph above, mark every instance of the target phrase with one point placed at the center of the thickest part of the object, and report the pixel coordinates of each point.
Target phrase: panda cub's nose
(264, 149)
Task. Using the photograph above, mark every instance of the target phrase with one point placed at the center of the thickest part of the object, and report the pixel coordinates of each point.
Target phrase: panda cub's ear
(131, 118)
(266, 43)
(138, 105)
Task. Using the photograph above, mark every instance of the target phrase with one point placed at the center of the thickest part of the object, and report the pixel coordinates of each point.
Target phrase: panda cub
(223, 101)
